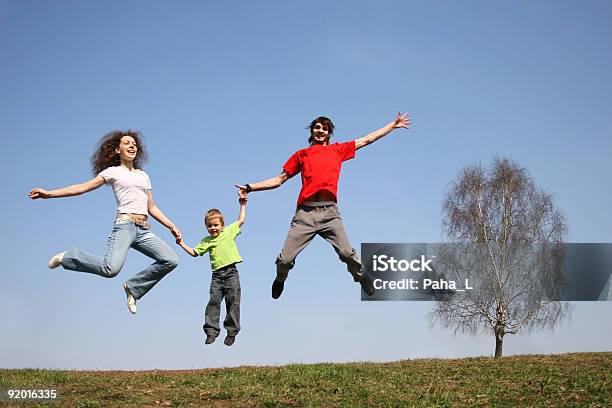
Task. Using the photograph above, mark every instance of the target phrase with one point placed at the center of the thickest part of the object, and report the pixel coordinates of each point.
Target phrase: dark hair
(325, 122)
(105, 155)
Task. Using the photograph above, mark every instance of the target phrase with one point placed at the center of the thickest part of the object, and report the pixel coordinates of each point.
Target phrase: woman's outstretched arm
(73, 190)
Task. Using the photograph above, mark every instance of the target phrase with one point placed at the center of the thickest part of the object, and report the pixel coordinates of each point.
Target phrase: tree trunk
(499, 342)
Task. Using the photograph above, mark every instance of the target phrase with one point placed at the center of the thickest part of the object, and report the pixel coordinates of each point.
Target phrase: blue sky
(222, 94)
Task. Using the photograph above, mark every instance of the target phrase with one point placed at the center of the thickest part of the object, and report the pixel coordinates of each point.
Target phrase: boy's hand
(179, 240)
(242, 194)
(176, 232)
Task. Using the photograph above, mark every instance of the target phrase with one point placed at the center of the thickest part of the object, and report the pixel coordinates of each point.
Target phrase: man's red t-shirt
(320, 166)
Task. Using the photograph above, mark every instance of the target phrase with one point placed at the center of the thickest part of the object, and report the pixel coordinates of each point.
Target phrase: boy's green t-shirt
(223, 249)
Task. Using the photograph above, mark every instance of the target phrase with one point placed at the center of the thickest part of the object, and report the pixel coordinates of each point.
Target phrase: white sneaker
(56, 260)
(131, 301)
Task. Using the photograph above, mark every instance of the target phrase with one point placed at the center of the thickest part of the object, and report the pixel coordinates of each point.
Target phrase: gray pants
(308, 222)
(225, 283)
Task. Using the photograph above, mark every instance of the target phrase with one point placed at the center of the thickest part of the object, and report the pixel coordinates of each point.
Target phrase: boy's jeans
(225, 283)
(126, 234)
(308, 222)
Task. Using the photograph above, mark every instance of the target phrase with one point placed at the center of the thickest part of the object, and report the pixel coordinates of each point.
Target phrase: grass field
(579, 379)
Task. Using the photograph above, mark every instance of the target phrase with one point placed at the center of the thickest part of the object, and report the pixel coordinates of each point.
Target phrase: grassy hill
(578, 379)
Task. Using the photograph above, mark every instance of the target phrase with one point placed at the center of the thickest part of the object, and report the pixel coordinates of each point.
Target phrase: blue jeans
(126, 234)
(225, 283)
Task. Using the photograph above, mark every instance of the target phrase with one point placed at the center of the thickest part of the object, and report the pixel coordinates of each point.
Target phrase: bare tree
(506, 239)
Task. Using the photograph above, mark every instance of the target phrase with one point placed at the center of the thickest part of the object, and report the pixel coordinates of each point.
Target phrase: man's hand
(402, 121)
(241, 190)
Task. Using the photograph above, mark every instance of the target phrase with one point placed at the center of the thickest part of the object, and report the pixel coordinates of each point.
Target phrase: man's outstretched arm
(267, 184)
(400, 121)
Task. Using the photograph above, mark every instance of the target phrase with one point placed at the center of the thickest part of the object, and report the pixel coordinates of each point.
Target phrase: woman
(117, 161)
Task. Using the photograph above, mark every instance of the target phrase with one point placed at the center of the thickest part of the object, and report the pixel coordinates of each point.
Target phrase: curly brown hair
(106, 156)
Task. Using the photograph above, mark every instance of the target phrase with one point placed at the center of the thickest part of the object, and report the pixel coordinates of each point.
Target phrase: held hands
(39, 193)
(177, 234)
(242, 189)
(402, 121)
(179, 240)
(242, 195)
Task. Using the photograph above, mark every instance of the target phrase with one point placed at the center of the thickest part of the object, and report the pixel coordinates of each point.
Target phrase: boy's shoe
(131, 301)
(56, 260)
(229, 340)
(366, 285)
(277, 289)
(210, 339)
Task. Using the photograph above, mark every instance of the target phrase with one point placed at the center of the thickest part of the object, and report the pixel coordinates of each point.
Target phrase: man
(317, 210)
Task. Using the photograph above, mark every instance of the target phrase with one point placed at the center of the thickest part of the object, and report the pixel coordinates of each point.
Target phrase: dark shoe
(277, 289)
(229, 340)
(210, 339)
(366, 285)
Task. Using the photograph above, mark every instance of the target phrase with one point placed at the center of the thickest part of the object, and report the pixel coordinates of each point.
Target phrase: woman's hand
(177, 234)
(73, 190)
(39, 193)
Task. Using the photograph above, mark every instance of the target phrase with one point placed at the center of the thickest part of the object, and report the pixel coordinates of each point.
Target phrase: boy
(225, 282)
